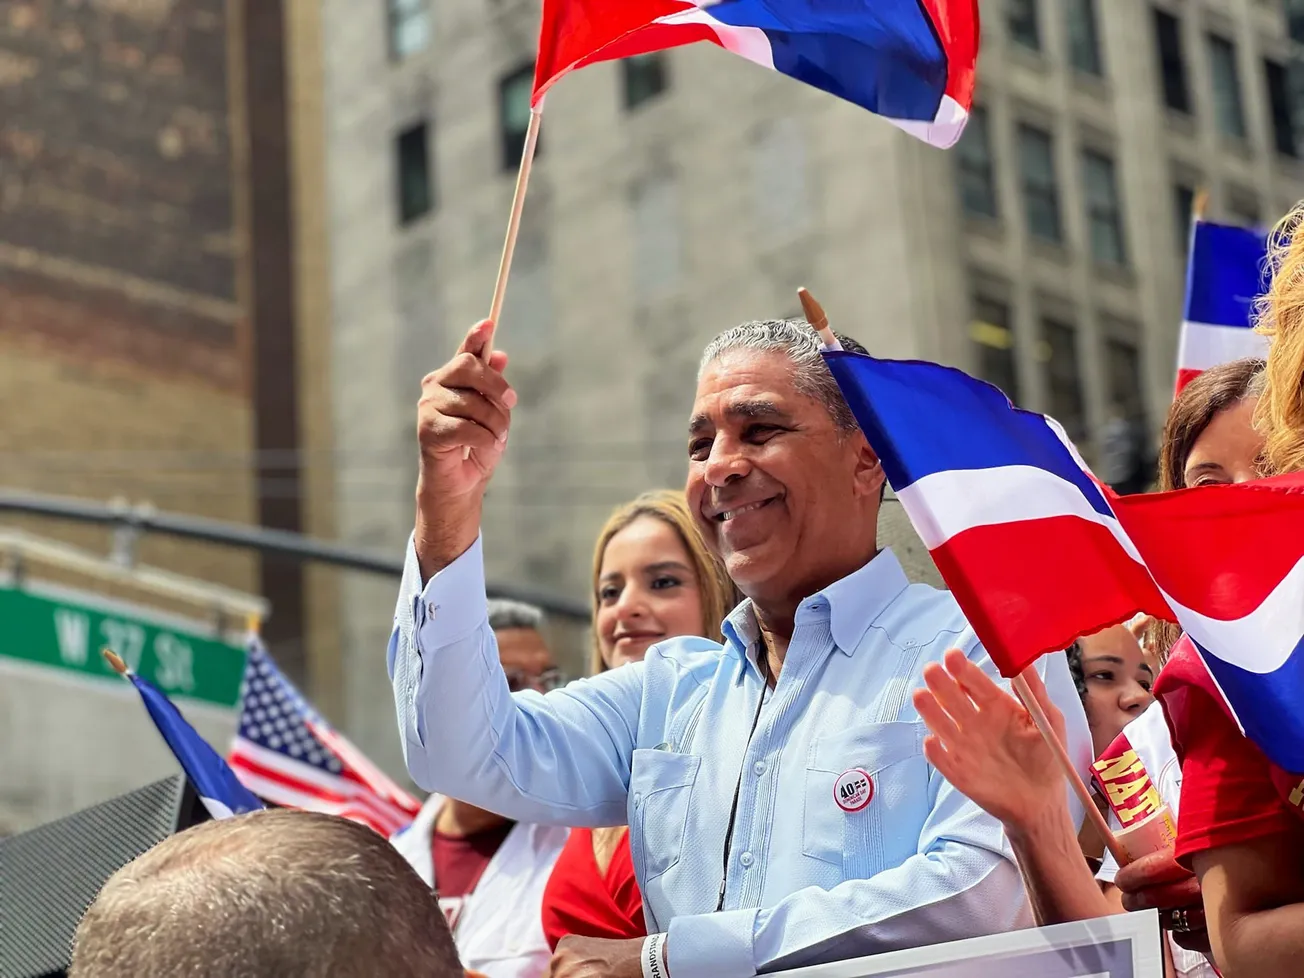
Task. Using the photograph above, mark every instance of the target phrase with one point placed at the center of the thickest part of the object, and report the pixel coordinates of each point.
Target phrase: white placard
(1121, 946)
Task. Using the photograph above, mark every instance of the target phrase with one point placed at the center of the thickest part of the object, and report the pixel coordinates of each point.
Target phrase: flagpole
(115, 660)
(819, 322)
(513, 225)
(1030, 703)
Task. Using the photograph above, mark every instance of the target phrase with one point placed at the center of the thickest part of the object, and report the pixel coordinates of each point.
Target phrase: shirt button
(759, 768)
(431, 609)
(745, 859)
(638, 799)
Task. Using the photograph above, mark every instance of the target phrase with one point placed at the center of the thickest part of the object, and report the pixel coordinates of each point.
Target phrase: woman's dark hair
(1200, 401)
(1213, 391)
(1074, 654)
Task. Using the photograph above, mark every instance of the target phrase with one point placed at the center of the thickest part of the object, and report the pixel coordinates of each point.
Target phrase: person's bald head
(286, 893)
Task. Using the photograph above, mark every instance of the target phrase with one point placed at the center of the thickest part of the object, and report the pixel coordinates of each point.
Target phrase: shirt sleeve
(962, 882)
(563, 758)
(1227, 792)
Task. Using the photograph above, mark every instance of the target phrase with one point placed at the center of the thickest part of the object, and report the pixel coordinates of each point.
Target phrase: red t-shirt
(580, 899)
(460, 861)
(1231, 792)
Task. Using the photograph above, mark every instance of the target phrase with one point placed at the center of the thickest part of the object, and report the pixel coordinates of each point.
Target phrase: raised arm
(563, 758)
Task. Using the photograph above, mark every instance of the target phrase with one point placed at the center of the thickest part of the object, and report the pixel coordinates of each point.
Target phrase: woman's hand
(985, 743)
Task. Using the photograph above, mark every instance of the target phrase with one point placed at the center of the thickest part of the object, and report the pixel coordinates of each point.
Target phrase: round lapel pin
(853, 790)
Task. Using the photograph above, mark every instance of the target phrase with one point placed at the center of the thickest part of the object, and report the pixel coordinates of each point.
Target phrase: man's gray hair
(795, 339)
(505, 613)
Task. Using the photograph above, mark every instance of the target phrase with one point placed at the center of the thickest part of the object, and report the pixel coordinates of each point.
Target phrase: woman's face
(647, 591)
(1227, 450)
(1118, 681)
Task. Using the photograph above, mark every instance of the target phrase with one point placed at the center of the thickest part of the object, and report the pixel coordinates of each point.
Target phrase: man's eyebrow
(754, 409)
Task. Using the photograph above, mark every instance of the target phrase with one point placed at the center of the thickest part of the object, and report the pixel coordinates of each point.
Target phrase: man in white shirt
(488, 871)
(781, 810)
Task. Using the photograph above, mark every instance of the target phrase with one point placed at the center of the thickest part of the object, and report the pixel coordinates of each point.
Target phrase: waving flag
(911, 61)
(286, 752)
(1226, 272)
(218, 788)
(1038, 552)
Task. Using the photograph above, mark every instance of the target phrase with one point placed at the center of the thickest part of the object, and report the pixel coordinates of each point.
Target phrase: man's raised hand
(462, 422)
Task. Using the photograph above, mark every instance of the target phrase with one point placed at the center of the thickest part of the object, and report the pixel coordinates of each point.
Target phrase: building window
(1172, 66)
(994, 346)
(415, 195)
(1059, 351)
(514, 92)
(1228, 112)
(1022, 22)
(974, 158)
(1183, 206)
(1040, 195)
(1281, 106)
(409, 27)
(1124, 366)
(1084, 37)
(645, 78)
(1243, 208)
(1104, 215)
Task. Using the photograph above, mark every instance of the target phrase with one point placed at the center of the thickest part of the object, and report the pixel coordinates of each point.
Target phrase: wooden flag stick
(1020, 686)
(819, 322)
(513, 225)
(115, 660)
(1200, 204)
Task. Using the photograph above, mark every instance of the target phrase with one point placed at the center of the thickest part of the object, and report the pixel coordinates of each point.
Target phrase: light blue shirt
(662, 744)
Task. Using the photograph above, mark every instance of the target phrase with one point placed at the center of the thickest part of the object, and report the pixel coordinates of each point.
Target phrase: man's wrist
(1049, 823)
(445, 529)
(653, 957)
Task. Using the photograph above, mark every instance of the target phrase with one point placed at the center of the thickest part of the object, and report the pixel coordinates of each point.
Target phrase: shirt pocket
(661, 788)
(884, 832)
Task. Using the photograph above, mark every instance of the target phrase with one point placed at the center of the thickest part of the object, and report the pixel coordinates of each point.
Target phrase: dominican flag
(1227, 270)
(911, 61)
(285, 752)
(1038, 552)
(218, 788)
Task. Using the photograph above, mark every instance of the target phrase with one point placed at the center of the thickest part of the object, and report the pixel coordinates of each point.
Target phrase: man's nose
(725, 464)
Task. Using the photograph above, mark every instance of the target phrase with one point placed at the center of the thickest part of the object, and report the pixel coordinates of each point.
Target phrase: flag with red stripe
(286, 753)
(1227, 271)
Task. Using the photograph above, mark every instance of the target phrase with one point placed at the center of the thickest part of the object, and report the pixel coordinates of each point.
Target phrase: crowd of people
(785, 754)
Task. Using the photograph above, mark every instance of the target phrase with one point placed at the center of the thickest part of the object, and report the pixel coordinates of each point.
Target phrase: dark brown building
(159, 311)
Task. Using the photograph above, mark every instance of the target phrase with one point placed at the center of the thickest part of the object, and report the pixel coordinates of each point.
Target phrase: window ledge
(1117, 274)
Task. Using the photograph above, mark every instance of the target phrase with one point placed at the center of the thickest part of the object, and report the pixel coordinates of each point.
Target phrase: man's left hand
(597, 957)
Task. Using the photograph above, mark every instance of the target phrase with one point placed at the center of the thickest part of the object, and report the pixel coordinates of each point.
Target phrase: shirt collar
(852, 604)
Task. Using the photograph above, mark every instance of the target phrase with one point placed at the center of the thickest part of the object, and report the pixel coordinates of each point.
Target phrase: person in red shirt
(1241, 827)
(653, 579)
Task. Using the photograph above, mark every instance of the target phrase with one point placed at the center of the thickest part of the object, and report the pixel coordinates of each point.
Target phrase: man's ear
(868, 476)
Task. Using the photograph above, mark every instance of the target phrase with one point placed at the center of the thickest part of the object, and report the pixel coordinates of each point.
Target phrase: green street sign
(68, 634)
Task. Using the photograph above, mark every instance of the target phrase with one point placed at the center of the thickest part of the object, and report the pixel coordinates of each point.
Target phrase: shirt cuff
(452, 605)
(712, 945)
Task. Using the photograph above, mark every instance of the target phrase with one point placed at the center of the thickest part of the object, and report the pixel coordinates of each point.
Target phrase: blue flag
(216, 784)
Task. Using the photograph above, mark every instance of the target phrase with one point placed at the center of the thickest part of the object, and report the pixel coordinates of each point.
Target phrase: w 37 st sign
(68, 634)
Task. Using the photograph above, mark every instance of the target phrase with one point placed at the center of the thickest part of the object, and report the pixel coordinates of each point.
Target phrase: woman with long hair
(653, 579)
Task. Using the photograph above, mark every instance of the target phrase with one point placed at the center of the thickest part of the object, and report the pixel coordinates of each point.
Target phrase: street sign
(65, 629)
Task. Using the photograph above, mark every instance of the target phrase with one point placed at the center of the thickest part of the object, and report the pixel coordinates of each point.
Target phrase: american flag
(286, 753)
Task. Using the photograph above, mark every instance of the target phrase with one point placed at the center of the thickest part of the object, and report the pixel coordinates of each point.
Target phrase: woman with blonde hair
(653, 579)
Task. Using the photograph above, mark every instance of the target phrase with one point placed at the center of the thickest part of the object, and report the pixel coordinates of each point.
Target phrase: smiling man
(781, 810)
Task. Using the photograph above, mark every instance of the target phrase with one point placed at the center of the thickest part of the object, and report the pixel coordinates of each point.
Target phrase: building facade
(160, 304)
(678, 194)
